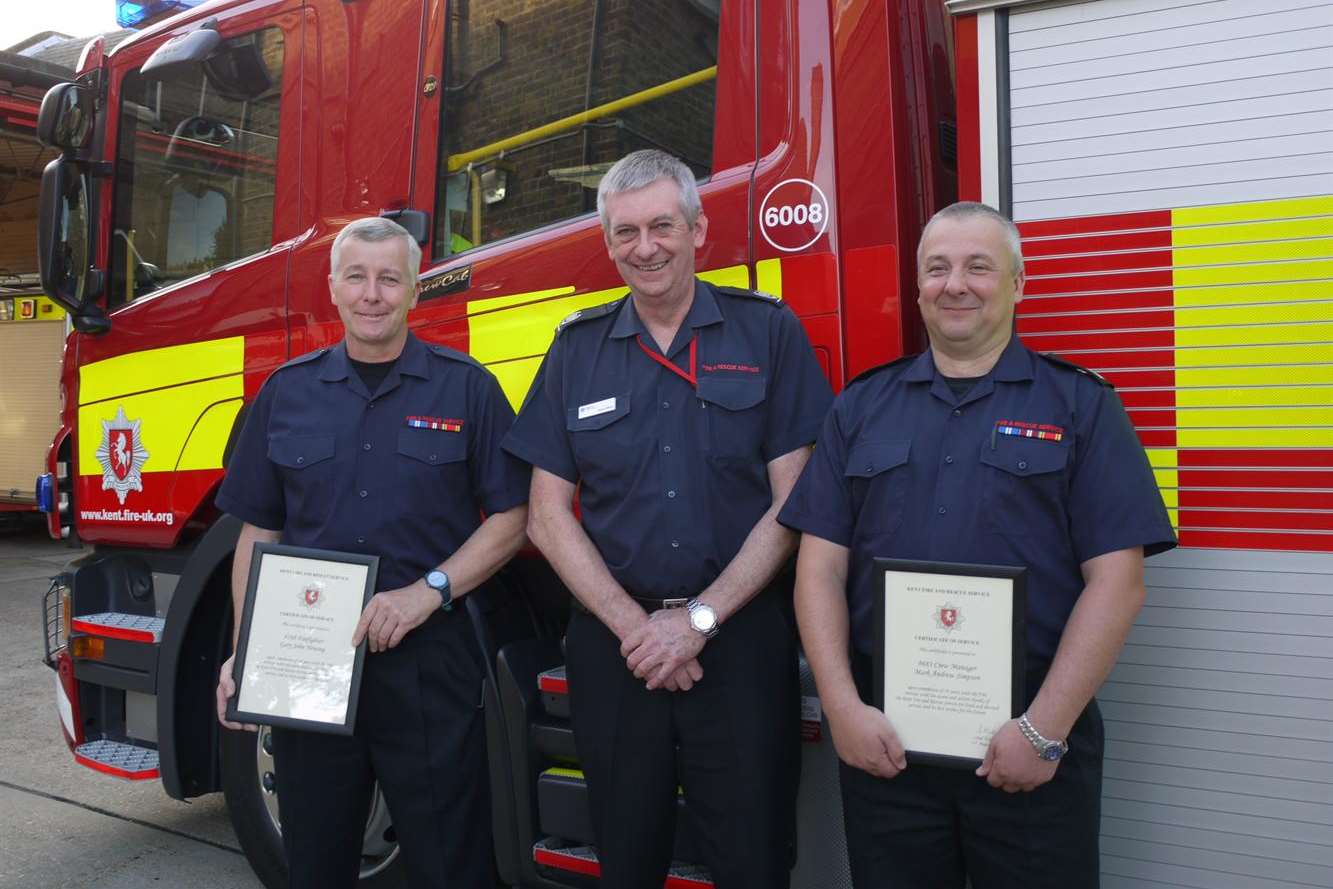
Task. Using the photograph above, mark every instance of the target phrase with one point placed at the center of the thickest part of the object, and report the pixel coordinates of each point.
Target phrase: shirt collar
(703, 311)
(412, 360)
(1014, 363)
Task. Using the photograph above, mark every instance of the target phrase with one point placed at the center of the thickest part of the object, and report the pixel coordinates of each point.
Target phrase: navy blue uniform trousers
(732, 742)
(418, 724)
(932, 827)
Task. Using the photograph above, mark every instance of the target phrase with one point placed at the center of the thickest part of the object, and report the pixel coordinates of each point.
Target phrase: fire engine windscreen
(195, 165)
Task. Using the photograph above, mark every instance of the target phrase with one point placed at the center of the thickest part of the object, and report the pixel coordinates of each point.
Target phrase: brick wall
(544, 78)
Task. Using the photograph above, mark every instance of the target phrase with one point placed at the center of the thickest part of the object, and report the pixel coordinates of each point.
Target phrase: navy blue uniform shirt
(672, 476)
(403, 474)
(1036, 466)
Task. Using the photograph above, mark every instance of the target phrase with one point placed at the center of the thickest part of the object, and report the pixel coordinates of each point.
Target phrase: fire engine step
(562, 806)
(554, 688)
(118, 758)
(555, 854)
(114, 625)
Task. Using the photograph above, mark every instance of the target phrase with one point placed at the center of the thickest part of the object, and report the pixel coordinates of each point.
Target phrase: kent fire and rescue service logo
(310, 596)
(122, 455)
(948, 617)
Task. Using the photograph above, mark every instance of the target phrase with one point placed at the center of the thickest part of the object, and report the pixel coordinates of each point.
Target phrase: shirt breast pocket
(598, 431)
(734, 415)
(877, 475)
(431, 469)
(1024, 485)
(307, 467)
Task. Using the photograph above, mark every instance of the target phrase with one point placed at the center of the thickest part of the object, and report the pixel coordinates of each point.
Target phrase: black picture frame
(1017, 629)
(315, 559)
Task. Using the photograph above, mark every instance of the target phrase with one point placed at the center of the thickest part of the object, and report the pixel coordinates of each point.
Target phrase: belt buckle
(675, 603)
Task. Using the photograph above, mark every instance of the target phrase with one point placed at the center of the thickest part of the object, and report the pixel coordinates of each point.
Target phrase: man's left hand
(1012, 765)
(392, 614)
(661, 645)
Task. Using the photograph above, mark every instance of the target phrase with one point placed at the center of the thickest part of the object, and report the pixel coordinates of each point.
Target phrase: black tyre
(249, 782)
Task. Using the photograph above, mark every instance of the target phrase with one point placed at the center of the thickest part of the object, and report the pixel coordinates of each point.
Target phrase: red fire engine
(1167, 162)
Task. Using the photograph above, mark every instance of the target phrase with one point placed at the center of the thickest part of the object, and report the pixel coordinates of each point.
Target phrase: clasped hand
(664, 650)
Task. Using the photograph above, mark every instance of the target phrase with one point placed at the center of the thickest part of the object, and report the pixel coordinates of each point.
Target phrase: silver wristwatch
(1049, 750)
(703, 618)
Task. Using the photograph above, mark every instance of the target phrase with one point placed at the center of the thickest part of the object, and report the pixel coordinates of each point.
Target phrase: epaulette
(1057, 360)
(452, 354)
(760, 295)
(588, 314)
(301, 359)
(879, 367)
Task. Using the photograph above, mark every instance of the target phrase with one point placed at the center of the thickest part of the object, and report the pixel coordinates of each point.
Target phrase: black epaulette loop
(587, 315)
(1065, 363)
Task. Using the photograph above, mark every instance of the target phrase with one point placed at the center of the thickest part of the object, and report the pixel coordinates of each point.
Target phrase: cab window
(195, 165)
(510, 161)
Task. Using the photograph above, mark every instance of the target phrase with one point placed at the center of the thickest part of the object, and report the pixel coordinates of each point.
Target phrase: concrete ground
(60, 823)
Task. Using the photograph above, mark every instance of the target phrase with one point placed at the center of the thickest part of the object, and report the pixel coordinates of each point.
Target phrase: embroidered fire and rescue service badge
(122, 455)
(948, 617)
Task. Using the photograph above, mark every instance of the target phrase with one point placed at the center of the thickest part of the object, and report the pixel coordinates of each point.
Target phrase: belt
(649, 605)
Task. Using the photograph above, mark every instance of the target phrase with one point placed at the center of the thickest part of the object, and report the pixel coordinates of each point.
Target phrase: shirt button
(671, 493)
(432, 458)
(957, 412)
(943, 510)
(665, 405)
(675, 544)
(949, 458)
(666, 449)
(365, 493)
(366, 446)
(870, 467)
(300, 460)
(1022, 464)
(361, 540)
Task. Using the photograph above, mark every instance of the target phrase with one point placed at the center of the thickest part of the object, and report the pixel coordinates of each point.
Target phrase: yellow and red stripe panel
(180, 403)
(1216, 325)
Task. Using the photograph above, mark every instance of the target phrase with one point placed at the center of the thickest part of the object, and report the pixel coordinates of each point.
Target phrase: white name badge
(606, 405)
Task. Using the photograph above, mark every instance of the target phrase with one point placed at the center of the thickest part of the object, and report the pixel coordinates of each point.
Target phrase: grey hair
(971, 210)
(374, 229)
(640, 169)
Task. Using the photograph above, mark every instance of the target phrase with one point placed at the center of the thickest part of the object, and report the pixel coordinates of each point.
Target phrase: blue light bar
(46, 493)
(140, 13)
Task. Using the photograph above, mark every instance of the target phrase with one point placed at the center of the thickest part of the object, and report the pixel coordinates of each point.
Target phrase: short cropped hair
(640, 169)
(972, 209)
(373, 229)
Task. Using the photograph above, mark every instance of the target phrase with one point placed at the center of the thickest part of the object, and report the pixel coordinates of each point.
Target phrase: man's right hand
(685, 676)
(865, 740)
(226, 689)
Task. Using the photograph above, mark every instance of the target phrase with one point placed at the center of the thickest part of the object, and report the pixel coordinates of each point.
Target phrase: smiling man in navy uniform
(684, 412)
(387, 446)
(978, 451)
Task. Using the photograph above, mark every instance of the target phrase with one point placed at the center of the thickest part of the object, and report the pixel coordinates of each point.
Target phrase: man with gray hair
(683, 412)
(976, 451)
(384, 445)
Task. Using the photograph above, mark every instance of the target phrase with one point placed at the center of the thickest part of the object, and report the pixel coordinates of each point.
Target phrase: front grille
(53, 615)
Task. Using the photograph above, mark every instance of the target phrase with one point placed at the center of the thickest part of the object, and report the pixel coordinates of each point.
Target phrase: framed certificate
(295, 665)
(949, 655)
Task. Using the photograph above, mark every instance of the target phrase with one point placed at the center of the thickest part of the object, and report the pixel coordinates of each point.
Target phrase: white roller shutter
(1124, 105)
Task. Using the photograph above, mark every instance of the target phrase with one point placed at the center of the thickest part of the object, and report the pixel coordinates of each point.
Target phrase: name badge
(592, 409)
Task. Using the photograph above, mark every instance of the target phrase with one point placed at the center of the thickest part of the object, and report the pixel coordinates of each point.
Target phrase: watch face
(704, 619)
(1052, 752)
(437, 579)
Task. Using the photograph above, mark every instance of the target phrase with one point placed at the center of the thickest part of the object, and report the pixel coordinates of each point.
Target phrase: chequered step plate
(119, 759)
(553, 853)
(113, 625)
(553, 681)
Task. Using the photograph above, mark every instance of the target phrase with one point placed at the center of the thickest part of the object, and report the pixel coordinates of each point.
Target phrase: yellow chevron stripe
(158, 368)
